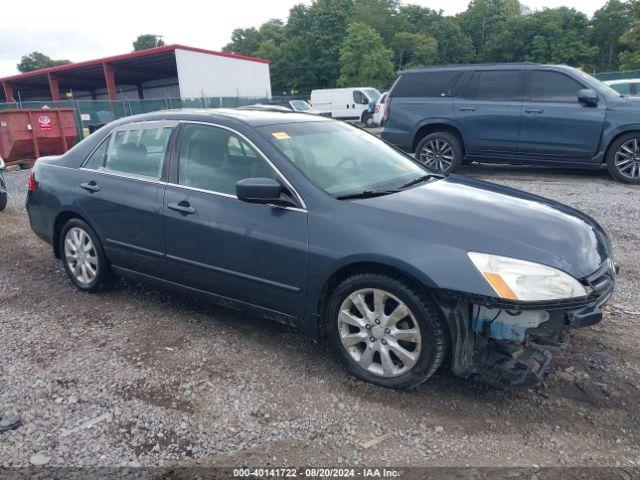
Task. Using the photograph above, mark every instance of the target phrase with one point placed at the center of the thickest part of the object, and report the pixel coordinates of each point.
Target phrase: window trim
(175, 160)
(527, 86)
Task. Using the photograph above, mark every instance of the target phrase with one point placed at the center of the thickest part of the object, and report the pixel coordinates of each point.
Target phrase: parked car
(629, 87)
(320, 225)
(287, 105)
(379, 111)
(347, 103)
(514, 113)
(3, 187)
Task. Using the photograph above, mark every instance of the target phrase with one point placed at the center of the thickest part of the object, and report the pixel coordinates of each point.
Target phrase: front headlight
(514, 279)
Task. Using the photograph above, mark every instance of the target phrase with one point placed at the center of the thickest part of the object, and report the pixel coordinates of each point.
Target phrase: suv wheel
(385, 331)
(83, 257)
(440, 151)
(623, 158)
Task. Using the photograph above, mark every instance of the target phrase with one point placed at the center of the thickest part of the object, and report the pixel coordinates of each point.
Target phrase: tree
(453, 45)
(364, 60)
(36, 61)
(607, 26)
(414, 49)
(482, 17)
(147, 41)
(630, 40)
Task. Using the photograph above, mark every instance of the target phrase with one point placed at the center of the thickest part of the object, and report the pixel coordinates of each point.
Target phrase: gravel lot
(139, 376)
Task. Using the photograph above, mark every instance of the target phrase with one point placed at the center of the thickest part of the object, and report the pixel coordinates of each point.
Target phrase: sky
(73, 31)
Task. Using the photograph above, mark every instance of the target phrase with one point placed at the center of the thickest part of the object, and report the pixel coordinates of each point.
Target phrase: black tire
(436, 164)
(104, 276)
(614, 170)
(3, 200)
(368, 121)
(434, 340)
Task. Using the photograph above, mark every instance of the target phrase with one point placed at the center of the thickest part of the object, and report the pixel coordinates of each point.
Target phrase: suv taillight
(387, 109)
(32, 181)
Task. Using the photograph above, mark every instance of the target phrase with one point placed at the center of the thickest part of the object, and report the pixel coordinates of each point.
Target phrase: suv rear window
(426, 84)
(495, 85)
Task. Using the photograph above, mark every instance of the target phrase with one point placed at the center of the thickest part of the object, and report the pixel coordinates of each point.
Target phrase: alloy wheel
(81, 256)
(379, 332)
(627, 159)
(437, 154)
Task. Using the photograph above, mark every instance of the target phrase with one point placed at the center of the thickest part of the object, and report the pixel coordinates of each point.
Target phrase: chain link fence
(91, 113)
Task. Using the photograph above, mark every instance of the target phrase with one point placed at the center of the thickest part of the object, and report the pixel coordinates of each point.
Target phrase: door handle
(533, 110)
(90, 187)
(182, 207)
(467, 109)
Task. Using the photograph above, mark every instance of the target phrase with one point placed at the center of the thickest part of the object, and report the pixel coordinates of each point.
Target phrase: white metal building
(172, 71)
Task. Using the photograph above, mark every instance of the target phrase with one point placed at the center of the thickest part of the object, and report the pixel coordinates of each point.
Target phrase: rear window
(426, 84)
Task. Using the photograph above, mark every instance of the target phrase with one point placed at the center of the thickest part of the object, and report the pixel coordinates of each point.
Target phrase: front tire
(385, 331)
(83, 256)
(440, 151)
(623, 158)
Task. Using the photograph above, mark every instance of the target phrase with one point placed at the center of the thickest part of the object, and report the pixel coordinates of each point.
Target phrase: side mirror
(259, 190)
(588, 97)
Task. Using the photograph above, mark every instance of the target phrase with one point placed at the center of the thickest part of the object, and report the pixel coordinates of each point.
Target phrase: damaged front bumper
(503, 343)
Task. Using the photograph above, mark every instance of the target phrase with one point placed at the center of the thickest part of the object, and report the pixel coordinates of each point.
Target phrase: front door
(246, 252)
(489, 110)
(121, 191)
(555, 126)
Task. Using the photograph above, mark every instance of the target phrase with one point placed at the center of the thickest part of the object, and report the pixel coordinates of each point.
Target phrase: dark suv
(520, 113)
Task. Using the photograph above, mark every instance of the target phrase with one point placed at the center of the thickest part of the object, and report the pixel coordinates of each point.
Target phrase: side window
(360, 97)
(96, 160)
(139, 152)
(427, 84)
(215, 159)
(495, 85)
(545, 86)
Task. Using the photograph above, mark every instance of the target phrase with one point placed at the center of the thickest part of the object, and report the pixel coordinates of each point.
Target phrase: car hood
(474, 215)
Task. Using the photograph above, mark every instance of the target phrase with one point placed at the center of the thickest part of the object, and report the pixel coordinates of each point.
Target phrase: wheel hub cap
(437, 154)
(379, 332)
(627, 159)
(81, 256)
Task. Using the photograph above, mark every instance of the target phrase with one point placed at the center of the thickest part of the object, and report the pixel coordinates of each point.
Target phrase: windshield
(372, 93)
(300, 105)
(341, 159)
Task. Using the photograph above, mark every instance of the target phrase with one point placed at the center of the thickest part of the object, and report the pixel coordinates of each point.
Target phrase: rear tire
(3, 201)
(440, 151)
(367, 342)
(83, 257)
(623, 158)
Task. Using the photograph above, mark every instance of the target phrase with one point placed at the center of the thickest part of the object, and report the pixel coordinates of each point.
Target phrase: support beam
(8, 92)
(109, 81)
(53, 87)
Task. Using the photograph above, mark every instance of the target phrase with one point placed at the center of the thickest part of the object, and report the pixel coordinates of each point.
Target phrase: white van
(347, 103)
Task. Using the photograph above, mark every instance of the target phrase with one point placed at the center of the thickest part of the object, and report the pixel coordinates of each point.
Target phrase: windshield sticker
(280, 135)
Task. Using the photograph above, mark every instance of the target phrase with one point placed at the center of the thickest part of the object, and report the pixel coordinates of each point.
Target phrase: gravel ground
(139, 376)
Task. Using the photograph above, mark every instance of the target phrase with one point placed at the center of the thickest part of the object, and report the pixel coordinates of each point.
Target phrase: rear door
(555, 126)
(489, 110)
(121, 192)
(247, 252)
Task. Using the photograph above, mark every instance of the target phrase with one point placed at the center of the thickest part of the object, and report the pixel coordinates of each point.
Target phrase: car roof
(251, 117)
(484, 66)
